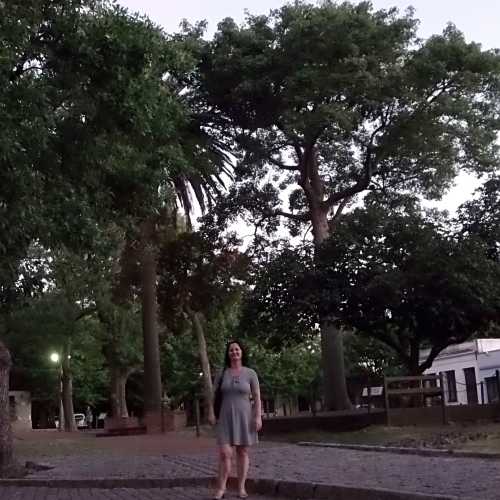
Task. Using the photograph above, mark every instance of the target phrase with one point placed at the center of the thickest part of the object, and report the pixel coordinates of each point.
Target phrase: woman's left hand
(258, 424)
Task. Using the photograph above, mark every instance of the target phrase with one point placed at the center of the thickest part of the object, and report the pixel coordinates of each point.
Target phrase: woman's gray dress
(236, 426)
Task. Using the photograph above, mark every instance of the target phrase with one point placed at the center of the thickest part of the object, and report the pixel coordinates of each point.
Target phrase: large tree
(480, 217)
(407, 281)
(397, 278)
(200, 275)
(97, 131)
(336, 99)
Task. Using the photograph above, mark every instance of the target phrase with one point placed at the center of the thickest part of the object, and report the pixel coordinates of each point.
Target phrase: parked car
(80, 421)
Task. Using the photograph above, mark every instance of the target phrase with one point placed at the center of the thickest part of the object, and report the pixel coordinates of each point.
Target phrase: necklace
(235, 375)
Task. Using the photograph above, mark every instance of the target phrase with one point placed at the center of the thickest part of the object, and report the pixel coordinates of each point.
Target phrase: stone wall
(20, 409)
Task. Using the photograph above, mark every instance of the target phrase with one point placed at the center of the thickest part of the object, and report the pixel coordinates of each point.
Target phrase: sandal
(243, 494)
(219, 495)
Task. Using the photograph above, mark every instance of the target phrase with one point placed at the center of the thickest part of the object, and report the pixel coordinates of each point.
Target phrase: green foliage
(354, 92)
(181, 366)
(368, 358)
(337, 99)
(400, 278)
(276, 307)
(198, 271)
(98, 125)
(90, 374)
(480, 217)
(393, 277)
(47, 326)
(291, 372)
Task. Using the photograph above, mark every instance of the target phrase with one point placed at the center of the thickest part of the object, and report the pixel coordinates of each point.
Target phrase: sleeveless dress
(236, 426)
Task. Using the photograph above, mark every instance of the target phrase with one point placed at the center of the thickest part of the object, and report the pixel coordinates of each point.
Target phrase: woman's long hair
(227, 360)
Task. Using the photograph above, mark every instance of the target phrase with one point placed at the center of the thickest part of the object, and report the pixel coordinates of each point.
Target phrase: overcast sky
(478, 19)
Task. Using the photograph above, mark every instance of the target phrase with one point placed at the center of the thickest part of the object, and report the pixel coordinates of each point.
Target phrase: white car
(80, 421)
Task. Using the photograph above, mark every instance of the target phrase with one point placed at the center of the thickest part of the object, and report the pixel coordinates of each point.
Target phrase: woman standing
(238, 421)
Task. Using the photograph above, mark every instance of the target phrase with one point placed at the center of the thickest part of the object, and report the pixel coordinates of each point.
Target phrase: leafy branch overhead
(342, 99)
(394, 276)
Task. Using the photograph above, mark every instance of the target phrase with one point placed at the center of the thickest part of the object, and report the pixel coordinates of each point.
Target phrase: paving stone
(458, 477)
(181, 493)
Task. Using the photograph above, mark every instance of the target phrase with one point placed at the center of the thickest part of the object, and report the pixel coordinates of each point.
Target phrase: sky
(477, 19)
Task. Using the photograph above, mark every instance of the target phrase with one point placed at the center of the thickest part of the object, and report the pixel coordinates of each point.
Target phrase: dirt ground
(40, 444)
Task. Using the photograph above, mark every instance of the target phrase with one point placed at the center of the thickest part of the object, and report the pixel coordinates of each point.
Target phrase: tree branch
(303, 217)
(86, 312)
(368, 165)
(283, 166)
(435, 350)
(387, 340)
(340, 208)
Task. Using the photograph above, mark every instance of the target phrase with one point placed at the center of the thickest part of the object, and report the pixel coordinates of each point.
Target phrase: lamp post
(55, 358)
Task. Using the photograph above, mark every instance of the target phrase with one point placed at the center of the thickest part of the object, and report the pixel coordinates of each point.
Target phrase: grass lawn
(472, 437)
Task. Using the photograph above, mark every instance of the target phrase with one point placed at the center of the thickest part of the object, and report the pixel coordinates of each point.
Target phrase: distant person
(239, 420)
(89, 417)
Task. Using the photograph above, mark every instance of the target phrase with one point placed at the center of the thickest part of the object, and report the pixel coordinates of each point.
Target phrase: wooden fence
(418, 385)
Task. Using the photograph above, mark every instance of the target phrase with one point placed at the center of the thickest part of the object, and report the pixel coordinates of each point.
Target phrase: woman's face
(235, 352)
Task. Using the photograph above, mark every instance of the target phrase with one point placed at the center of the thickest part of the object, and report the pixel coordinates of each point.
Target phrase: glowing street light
(55, 358)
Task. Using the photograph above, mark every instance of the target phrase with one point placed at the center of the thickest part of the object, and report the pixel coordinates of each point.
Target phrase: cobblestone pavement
(406, 473)
(29, 493)
(461, 477)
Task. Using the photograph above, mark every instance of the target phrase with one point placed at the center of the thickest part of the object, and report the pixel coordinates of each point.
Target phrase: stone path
(470, 478)
(29, 493)
(460, 477)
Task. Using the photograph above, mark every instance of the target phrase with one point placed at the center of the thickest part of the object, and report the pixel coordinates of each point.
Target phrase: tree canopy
(332, 100)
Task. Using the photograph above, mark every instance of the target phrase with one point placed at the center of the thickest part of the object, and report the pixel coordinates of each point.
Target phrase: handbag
(218, 397)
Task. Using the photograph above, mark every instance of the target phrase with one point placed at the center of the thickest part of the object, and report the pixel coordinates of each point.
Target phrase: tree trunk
(67, 390)
(6, 442)
(119, 378)
(152, 371)
(205, 364)
(332, 354)
(336, 397)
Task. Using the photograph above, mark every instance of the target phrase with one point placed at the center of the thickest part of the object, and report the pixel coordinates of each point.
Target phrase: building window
(492, 389)
(451, 385)
(470, 385)
(12, 407)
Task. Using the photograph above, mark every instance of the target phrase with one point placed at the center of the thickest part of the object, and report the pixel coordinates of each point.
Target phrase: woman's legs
(242, 462)
(225, 453)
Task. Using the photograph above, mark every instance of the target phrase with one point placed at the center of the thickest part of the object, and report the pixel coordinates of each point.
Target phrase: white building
(470, 371)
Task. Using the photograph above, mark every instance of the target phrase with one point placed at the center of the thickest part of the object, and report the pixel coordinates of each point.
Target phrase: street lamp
(55, 358)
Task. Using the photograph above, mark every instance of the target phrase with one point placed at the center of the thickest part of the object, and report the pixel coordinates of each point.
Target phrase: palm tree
(202, 180)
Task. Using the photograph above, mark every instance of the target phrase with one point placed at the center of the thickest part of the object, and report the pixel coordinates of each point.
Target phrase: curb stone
(308, 491)
(284, 489)
(103, 483)
(424, 452)
(330, 492)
